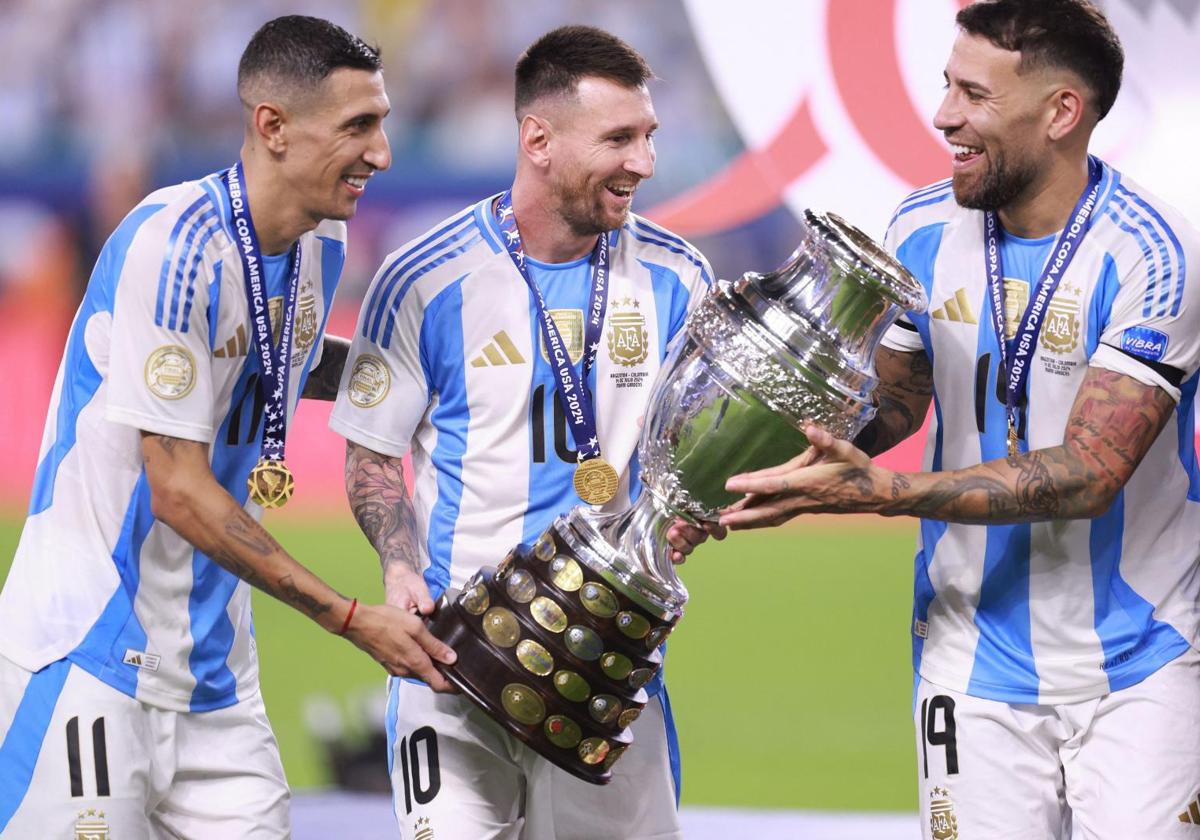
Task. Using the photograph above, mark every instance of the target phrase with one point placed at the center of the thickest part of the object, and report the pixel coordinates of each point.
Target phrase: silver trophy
(558, 642)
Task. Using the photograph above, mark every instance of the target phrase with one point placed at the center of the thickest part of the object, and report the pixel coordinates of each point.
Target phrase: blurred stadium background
(790, 674)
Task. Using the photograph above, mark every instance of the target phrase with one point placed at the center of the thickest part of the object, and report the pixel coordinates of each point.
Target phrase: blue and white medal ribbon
(1016, 364)
(595, 479)
(270, 482)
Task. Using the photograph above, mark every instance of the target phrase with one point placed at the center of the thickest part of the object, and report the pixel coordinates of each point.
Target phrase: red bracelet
(349, 615)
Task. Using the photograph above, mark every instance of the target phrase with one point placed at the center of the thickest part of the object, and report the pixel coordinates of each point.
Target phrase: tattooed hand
(1113, 423)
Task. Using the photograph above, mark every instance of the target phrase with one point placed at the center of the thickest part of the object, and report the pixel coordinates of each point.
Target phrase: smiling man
(509, 349)
(1055, 625)
(129, 699)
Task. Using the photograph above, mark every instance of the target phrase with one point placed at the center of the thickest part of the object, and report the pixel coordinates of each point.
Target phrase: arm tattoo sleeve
(323, 380)
(1113, 423)
(906, 384)
(381, 505)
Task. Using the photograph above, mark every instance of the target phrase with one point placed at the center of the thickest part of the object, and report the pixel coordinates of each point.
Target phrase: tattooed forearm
(287, 592)
(250, 534)
(1113, 424)
(905, 387)
(323, 380)
(381, 505)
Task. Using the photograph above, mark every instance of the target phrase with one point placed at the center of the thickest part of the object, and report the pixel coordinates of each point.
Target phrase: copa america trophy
(557, 643)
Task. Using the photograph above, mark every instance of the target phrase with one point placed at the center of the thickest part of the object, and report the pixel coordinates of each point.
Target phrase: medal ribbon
(1016, 362)
(273, 362)
(572, 383)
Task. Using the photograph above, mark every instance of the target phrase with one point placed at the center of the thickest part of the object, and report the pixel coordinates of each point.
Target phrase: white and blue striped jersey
(1068, 610)
(161, 343)
(448, 363)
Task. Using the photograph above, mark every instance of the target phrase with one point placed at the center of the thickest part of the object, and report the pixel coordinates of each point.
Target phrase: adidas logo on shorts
(1192, 814)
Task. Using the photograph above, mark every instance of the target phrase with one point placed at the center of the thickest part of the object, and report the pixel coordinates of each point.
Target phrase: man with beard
(1055, 623)
(450, 362)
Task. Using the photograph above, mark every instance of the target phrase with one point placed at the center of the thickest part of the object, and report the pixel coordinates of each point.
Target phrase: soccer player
(129, 698)
(449, 362)
(1055, 621)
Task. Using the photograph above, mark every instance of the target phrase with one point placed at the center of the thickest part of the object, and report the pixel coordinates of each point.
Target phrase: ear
(534, 136)
(269, 123)
(1069, 111)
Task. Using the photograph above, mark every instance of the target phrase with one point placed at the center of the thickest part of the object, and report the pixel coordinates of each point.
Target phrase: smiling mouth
(964, 153)
(625, 192)
(358, 183)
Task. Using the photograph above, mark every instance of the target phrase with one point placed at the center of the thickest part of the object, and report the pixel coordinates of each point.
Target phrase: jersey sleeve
(902, 336)
(384, 390)
(1153, 329)
(159, 365)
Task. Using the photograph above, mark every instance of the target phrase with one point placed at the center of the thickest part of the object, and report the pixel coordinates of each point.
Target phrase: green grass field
(789, 675)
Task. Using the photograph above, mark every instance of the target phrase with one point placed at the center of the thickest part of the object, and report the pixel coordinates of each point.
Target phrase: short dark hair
(554, 63)
(1068, 34)
(300, 51)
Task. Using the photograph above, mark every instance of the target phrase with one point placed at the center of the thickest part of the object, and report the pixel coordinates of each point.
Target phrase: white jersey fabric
(448, 362)
(161, 343)
(1069, 610)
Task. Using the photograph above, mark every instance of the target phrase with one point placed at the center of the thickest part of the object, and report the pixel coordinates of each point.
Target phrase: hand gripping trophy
(557, 643)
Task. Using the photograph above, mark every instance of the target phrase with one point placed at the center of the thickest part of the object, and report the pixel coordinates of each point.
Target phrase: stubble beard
(1002, 182)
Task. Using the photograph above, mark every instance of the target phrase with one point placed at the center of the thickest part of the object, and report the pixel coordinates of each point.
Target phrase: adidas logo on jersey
(499, 351)
(141, 659)
(234, 347)
(957, 308)
(1192, 814)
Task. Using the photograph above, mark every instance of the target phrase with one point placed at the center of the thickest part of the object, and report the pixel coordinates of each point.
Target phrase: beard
(581, 206)
(1001, 182)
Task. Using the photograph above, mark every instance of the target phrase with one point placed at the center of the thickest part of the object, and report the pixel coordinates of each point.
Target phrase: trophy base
(553, 653)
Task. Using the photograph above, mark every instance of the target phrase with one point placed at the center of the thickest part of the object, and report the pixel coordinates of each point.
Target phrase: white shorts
(457, 775)
(80, 759)
(1120, 767)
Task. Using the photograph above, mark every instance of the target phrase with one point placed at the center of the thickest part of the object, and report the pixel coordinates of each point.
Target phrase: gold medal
(1012, 439)
(596, 481)
(271, 483)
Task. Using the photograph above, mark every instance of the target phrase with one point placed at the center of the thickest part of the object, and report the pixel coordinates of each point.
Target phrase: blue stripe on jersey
(443, 326)
(198, 256)
(1181, 267)
(469, 239)
(194, 239)
(391, 275)
(485, 220)
(683, 250)
(1185, 413)
(214, 304)
(391, 719)
(81, 379)
(215, 188)
(1155, 254)
(919, 254)
(118, 628)
(672, 743)
(211, 628)
(1135, 644)
(934, 194)
(333, 259)
(663, 235)
(23, 741)
(184, 219)
(1100, 306)
(1004, 654)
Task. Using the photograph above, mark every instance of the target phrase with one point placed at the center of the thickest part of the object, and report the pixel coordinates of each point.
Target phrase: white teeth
(964, 150)
(622, 191)
(356, 181)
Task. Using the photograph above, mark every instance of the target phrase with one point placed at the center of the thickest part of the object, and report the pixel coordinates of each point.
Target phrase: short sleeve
(902, 336)
(384, 390)
(1152, 333)
(159, 373)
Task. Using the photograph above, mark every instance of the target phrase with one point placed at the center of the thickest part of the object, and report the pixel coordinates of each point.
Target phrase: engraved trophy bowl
(558, 643)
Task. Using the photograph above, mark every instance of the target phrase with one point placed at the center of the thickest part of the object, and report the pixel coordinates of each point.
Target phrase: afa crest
(1060, 333)
(305, 328)
(91, 825)
(943, 824)
(628, 341)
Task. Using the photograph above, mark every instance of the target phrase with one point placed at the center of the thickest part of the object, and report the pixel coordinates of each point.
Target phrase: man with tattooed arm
(450, 363)
(129, 698)
(1055, 623)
